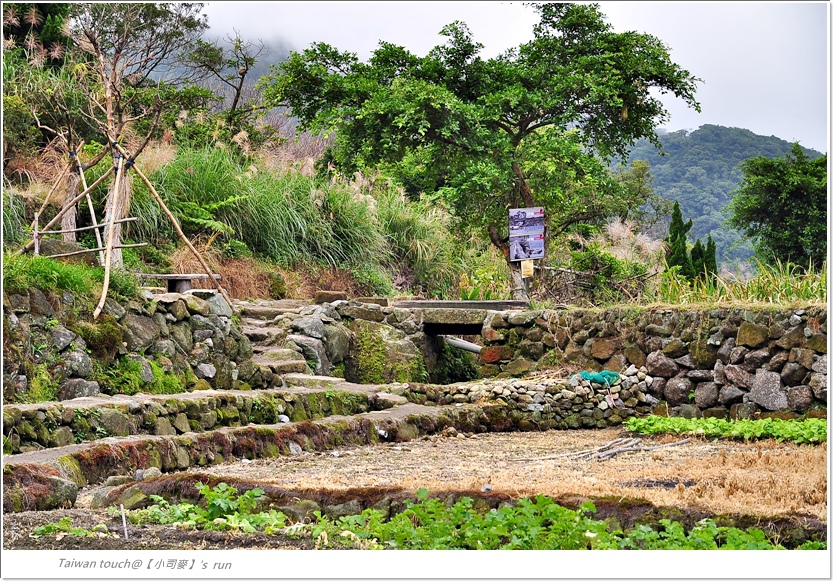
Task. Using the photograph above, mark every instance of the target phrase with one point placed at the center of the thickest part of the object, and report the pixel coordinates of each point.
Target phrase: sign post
(526, 237)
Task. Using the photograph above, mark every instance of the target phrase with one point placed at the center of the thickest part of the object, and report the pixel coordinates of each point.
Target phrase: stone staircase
(257, 324)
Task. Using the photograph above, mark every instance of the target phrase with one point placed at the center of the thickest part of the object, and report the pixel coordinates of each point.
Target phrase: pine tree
(678, 253)
(711, 256)
(698, 259)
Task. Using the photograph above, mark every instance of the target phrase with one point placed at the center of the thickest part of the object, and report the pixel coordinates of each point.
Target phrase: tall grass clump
(285, 216)
(14, 219)
(781, 283)
(419, 235)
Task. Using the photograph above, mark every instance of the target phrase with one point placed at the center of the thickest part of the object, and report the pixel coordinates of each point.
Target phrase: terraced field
(323, 444)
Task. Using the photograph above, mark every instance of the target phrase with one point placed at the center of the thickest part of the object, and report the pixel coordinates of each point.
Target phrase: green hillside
(699, 169)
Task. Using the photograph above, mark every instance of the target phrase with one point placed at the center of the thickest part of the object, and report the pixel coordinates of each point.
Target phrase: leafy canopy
(523, 128)
(781, 204)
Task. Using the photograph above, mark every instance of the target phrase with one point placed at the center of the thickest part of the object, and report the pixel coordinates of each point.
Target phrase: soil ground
(762, 480)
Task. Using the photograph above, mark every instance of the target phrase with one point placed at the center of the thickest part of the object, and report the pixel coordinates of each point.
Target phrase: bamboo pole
(97, 249)
(90, 206)
(108, 251)
(64, 211)
(52, 190)
(35, 237)
(96, 227)
(182, 236)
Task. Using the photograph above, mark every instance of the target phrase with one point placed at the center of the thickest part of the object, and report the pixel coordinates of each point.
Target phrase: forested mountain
(699, 169)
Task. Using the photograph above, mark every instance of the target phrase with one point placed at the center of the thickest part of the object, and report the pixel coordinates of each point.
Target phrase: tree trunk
(121, 211)
(68, 222)
(519, 292)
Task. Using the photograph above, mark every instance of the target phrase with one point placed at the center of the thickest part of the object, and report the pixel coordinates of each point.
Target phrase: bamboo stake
(98, 249)
(90, 206)
(64, 211)
(179, 230)
(96, 227)
(108, 251)
(52, 190)
(35, 237)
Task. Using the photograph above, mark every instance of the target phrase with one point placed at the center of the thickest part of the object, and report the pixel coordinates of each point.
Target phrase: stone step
(266, 313)
(259, 334)
(282, 367)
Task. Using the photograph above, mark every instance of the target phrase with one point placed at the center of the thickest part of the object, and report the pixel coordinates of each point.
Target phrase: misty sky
(764, 66)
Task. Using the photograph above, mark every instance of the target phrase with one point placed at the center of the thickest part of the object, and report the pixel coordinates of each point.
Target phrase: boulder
(793, 374)
(314, 351)
(519, 366)
(217, 305)
(661, 366)
(205, 371)
(604, 348)
(62, 337)
(322, 296)
(767, 391)
(706, 395)
(676, 390)
(818, 383)
(382, 354)
(690, 411)
(196, 305)
(737, 376)
(751, 334)
(336, 342)
(675, 348)
(309, 326)
(800, 398)
(139, 331)
(730, 394)
(78, 364)
(73, 388)
(635, 355)
(114, 422)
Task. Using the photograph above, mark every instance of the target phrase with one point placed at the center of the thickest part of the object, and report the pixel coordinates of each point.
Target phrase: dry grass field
(766, 478)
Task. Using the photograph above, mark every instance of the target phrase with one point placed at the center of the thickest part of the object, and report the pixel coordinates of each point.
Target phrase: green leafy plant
(224, 509)
(64, 526)
(808, 431)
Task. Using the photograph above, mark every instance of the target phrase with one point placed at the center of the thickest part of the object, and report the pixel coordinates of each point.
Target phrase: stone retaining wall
(716, 362)
(192, 335)
(50, 425)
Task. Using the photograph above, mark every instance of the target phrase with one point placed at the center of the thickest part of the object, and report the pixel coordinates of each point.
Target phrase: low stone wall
(717, 362)
(546, 403)
(192, 335)
(50, 425)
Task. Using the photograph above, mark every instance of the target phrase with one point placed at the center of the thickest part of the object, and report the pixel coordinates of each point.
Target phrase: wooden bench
(177, 283)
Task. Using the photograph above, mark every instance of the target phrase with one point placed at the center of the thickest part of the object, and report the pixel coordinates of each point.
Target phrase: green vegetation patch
(808, 431)
(126, 378)
(222, 509)
(431, 523)
(64, 527)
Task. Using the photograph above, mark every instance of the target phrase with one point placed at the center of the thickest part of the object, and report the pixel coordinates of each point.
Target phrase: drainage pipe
(464, 345)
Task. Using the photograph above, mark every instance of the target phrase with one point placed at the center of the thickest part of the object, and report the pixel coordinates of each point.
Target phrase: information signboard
(526, 233)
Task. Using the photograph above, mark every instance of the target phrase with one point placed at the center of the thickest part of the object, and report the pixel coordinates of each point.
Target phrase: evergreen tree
(678, 253)
(711, 256)
(698, 259)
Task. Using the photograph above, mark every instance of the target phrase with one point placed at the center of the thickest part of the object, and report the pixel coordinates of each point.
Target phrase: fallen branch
(634, 448)
(606, 451)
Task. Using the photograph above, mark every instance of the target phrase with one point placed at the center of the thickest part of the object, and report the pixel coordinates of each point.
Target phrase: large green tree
(781, 204)
(521, 129)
